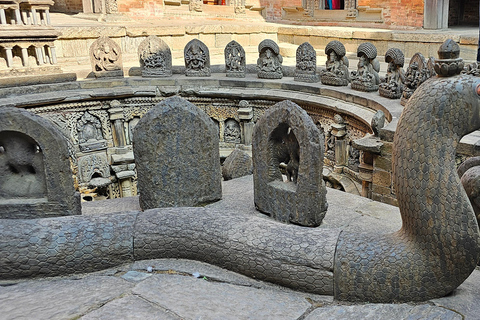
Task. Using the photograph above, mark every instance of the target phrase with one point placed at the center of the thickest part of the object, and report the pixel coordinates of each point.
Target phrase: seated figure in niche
(106, 58)
(366, 77)
(269, 63)
(392, 87)
(336, 71)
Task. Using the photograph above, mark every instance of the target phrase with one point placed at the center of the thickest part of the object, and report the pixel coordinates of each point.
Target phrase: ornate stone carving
(177, 156)
(285, 138)
(306, 67)
(232, 131)
(35, 168)
(418, 71)
(392, 87)
(197, 59)
(106, 58)
(93, 166)
(195, 5)
(235, 60)
(239, 6)
(449, 62)
(336, 72)
(269, 63)
(155, 57)
(90, 136)
(366, 77)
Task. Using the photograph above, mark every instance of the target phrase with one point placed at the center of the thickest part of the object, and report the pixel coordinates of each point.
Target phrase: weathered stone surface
(155, 57)
(193, 298)
(384, 311)
(306, 64)
(269, 62)
(237, 164)
(287, 137)
(177, 156)
(235, 60)
(197, 59)
(35, 175)
(59, 299)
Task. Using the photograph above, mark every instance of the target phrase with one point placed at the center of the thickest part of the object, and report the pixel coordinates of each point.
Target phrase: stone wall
(408, 13)
(273, 8)
(68, 6)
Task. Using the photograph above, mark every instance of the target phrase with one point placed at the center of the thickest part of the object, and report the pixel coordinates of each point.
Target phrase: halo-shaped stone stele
(235, 65)
(335, 46)
(155, 57)
(197, 59)
(106, 58)
(395, 55)
(286, 137)
(367, 49)
(269, 62)
(177, 156)
(306, 64)
(36, 179)
(449, 64)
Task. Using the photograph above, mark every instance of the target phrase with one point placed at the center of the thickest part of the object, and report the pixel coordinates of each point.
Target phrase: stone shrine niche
(197, 59)
(269, 63)
(306, 64)
(90, 136)
(235, 60)
(36, 178)
(155, 57)
(94, 170)
(418, 71)
(106, 58)
(392, 87)
(177, 156)
(366, 77)
(336, 72)
(232, 132)
(287, 150)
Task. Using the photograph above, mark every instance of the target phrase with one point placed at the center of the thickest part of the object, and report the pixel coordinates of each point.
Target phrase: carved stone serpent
(434, 252)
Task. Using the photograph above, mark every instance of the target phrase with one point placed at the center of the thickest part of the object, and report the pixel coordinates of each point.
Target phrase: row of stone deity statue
(156, 61)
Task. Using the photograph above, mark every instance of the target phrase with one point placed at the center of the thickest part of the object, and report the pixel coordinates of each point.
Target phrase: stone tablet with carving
(106, 58)
(235, 60)
(155, 57)
(35, 176)
(286, 139)
(306, 68)
(177, 156)
(197, 59)
(269, 62)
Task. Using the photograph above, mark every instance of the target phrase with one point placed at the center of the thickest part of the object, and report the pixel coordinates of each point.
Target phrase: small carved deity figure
(269, 63)
(197, 59)
(392, 87)
(418, 71)
(306, 69)
(90, 135)
(155, 57)
(366, 77)
(336, 72)
(232, 131)
(235, 60)
(106, 58)
(195, 5)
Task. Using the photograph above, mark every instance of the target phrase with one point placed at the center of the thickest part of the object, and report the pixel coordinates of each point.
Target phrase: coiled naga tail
(438, 245)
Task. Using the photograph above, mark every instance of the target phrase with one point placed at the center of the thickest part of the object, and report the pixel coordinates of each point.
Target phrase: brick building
(428, 14)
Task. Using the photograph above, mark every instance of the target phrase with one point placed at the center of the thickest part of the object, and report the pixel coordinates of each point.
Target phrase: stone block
(177, 156)
(208, 39)
(286, 138)
(383, 163)
(222, 39)
(36, 179)
(236, 165)
(382, 178)
(387, 148)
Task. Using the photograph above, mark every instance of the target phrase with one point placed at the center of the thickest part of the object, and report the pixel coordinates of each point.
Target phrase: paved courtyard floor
(184, 289)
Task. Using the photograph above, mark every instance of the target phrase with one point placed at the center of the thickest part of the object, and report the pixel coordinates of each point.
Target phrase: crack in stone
(157, 305)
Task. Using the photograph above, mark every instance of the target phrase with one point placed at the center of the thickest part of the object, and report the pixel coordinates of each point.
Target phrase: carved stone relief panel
(232, 131)
(269, 63)
(306, 67)
(235, 60)
(197, 59)
(106, 58)
(155, 57)
(92, 166)
(90, 135)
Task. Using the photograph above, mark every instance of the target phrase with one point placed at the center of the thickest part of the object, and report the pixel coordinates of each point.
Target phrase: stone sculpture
(235, 60)
(197, 59)
(232, 132)
(366, 77)
(195, 5)
(336, 72)
(36, 180)
(392, 87)
(306, 68)
(286, 138)
(155, 57)
(90, 136)
(269, 63)
(236, 165)
(177, 142)
(106, 58)
(418, 71)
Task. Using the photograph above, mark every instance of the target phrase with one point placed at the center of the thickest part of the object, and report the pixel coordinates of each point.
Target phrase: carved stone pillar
(3, 18)
(116, 116)
(341, 144)
(370, 148)
(34, 16)
(310, 8)
(18, 16)
(351, 8)
(25, 57)
(245, 114)
(47, 16)
(53, 55)
(39, 52)
(9, 57)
